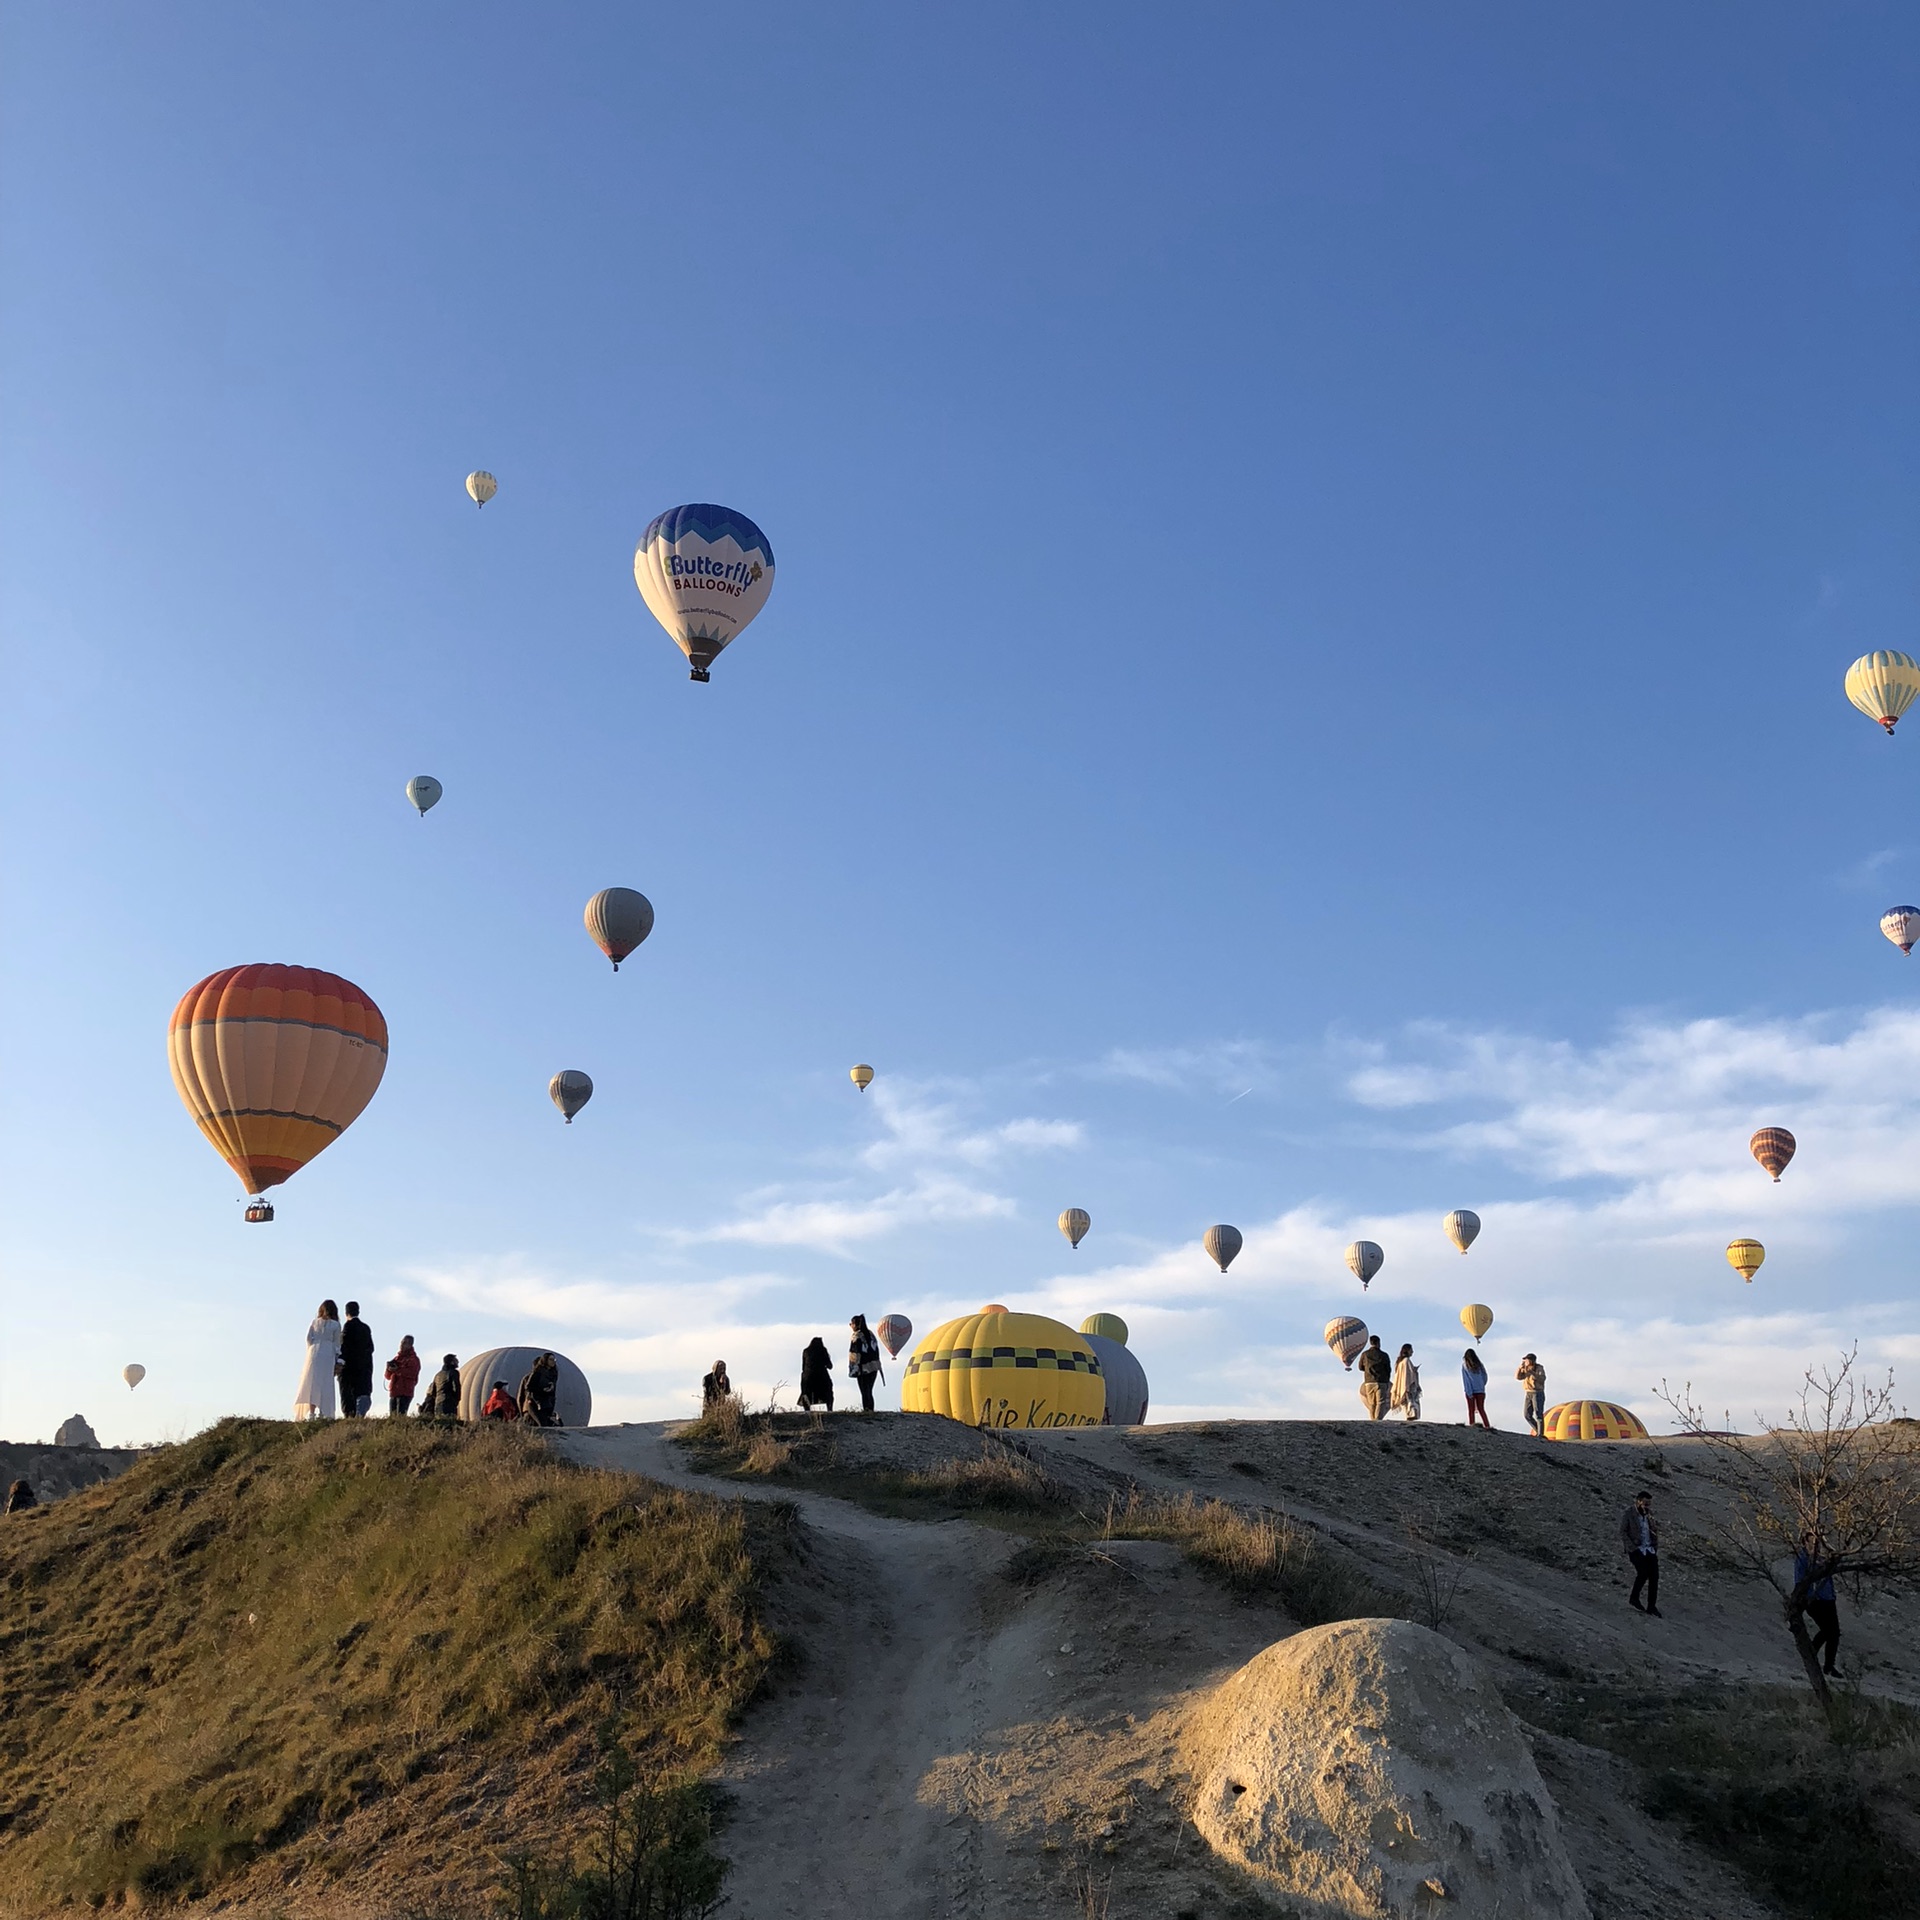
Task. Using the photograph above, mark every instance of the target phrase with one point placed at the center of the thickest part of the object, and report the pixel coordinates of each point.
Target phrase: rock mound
(75, 1433)
(1368, 1771)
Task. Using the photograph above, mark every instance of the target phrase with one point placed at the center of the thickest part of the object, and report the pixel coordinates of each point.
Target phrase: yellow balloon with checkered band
(1006, 1370)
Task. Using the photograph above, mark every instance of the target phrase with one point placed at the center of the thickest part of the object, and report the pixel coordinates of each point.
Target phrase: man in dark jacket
(1376, 1378)
(443, 1393)
(539, 1390)
(356, 1364)
(1640, 1535)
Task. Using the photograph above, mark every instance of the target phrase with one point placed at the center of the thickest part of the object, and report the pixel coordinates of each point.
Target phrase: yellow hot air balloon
(275, 1063)
(481, 487)
(1476, 1320)
(1745, 1257)
(1074, 1223)
(1006, 1370)
(1883, 685)
(861, 1076)
(1109, 1326)
(1592, 1420)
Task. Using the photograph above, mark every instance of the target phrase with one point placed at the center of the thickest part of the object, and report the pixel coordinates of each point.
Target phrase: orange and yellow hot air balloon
(275, 1063)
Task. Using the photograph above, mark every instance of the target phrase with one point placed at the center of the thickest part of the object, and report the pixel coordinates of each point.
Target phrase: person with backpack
(403, 1375)
(356, 1365)
(816, 1377)
(863, 1359)
(443, 1392)
(1376, 1378)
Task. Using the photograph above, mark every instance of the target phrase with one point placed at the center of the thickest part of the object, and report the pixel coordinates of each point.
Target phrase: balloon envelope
(1462, 1227)
(275, 1063)
(569, 1090)
(1476, 1320)
(1074, 1224)
(1126, 1382)
(572, 1402)
(999, 1369)
(424, 791)
(1222, 1245)
(704, 572)
(861, 1076)
(481, 487)
(618, 919)
(1901, 925)
(1883, 685)
(895, 1331)
(133, 1375)
(1346, 1336)
(1593, 1420)
(1773, 1147)
(1745, 1256)
(1109, 1326)
(1364, 1260)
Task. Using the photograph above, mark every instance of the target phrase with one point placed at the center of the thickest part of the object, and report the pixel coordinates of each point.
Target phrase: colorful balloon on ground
(1773, 1147)
(704, 572)
(569, 1090)
(1883, 685)
(618, 919)
(133, 1375)
(275, 1063)
(1074, 1223)
(1222, 1245)
(1901, 925)
(1109, 1326)
(424, 791)
(1364, 1260)
(1593, 1420)
(1000, 1369)
(1476, 1319)
(1126, 1381)
(1745, 1256)
(1346, 1336)
(1462, 1227)
(481, 487)
(861, 1076)
(894, 1331)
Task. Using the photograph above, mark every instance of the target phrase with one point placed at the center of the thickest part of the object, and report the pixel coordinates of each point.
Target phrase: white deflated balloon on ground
(572, 1403)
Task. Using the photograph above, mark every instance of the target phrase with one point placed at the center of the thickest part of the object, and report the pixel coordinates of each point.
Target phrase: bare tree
(1831, 1492)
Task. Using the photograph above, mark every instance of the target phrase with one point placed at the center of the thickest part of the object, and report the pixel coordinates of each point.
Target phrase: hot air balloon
(1745, 1256)
(424, 791)
(572, 1400)
(1126, 1381)
(1883, 685)
(1592, 1420)
(1773, 1148)
(482, 486)
(1000, 1369)
(1476, 1320)
(275, 1063)
(894, 1331)
(861, 1076)
(1346, 1336)
(569, 1090)
(1364, 1260)
(1074, 1224)
(618, 919)
(1462, 1227)
(704, 572)
(133, 1375)
(1222, 1245)
(1901, 925)
(992, 1307)
(1109, 1326)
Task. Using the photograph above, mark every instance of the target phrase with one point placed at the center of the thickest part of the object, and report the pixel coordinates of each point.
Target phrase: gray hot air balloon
(619, 919)
(1462, 1227)
(424, 791)
(1126, 1381)
(1364, 1260)
(1074, 1223)
(570, 1090)
(1222, 1244)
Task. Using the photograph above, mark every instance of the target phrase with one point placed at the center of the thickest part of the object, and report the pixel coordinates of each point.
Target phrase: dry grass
(271, 1631)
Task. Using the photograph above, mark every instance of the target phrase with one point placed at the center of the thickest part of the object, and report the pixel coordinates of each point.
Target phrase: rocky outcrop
(75, 1433)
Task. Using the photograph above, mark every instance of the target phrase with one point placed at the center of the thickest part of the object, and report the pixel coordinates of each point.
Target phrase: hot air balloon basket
(258, 1211)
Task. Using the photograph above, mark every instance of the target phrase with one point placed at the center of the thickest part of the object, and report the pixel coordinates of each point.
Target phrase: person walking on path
(1640, 1535)
(816, 1377)
(1813, 1576)
(1473, 1381)
(540, 1390)
(715, 1387)
(356, 1365)
(500, 1404)
(1533, 1376)
(313, 1397)
(443, 1392)
(1406, 1383)
(863, 1359)
(1376, 1377)
(403, 1375)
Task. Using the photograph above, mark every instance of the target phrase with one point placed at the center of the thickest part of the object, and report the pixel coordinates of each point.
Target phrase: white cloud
(1229, 1067)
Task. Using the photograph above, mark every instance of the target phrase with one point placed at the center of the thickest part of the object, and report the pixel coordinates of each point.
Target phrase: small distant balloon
(1476, 1320)
(1109, 1326)
(861, 1076)
(895, 1331)
(133, 1375)
(424, 791)
(482, 486)
(1222, 1245)
(1773, 1147)
(1074, 1223)
(618, 919)
(1745, 1256)
(1345, 1337)
(1883, 685)
(1364, 1260)
(1462, 1227)
(569, 1090)
(1901, 925)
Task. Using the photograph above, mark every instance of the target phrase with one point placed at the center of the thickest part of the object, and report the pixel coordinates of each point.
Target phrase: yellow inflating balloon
(1006, 1370)
(1592, 1420)
(1476, 1320)
(1745, 1256)
(1108, 1325)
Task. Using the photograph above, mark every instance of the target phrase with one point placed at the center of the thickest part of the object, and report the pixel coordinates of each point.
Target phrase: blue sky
(1317, 552)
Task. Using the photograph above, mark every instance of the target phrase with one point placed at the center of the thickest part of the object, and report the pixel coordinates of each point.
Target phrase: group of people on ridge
(816, 1372)
(1388, 1384)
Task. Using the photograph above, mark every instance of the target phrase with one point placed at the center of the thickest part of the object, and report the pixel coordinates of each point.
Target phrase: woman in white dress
(313, 1398)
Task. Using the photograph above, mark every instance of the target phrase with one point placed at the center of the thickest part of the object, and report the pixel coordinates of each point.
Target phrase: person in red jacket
(500, 1404)
(403, 1375)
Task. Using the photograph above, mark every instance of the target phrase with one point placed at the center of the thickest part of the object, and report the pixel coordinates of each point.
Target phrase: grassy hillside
(377, 1650)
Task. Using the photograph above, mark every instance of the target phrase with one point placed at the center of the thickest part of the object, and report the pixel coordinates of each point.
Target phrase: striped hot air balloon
(570, 1090)
(1592, 1420)
(481, 487)
(1884, 685)
(1222, 1244)
(1075, 1224)
(1345, 1337)
(1462, 1227)
(1773, 1147)
(1901, 925)
(1745, 1257)
(618, 919)
(275, 1063)
(1364, 1260)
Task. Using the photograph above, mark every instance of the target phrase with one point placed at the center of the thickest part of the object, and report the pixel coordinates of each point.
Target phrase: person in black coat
(443, 1393)
(816, 1377)
(356, 1365)
(539, 1390)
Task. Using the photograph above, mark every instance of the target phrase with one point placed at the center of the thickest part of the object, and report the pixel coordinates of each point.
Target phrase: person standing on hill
(443, 1392)
(403, 1375)
(816, 1377)
(356, 1365)
(313, 1397)
(1813, 1577)
(1533, 1376)
(1473, 1382)
(540, 1390)
(1640, 1535)
(715, 1387)
(1376, 1378)
(863, 1359)
(20, 1498)
(1406, 1383)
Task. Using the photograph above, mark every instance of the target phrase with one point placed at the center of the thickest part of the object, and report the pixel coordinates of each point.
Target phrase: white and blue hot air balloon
(704, 572)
